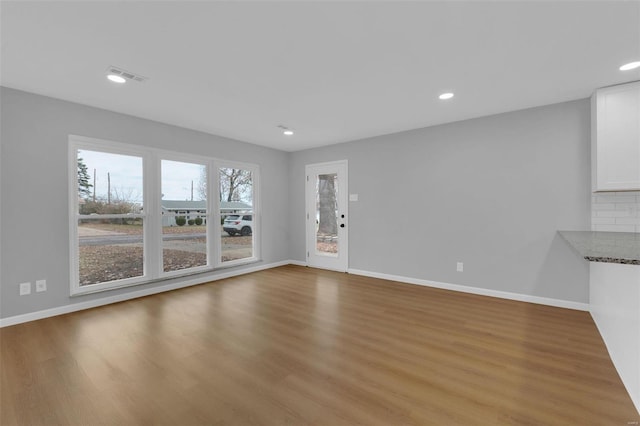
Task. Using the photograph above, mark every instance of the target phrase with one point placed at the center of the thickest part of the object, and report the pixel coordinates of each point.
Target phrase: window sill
(93, 288)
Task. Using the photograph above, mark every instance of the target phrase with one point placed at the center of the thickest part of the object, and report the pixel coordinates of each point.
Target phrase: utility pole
(108, 188)
(94, 185)
(191, 190)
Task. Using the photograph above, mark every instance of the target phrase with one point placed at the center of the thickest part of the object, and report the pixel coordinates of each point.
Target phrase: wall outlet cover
(460, 267)
(25, 288)
(41, 285)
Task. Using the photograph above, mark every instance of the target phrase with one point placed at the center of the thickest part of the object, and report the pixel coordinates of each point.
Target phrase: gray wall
(34, 209)
(490, 192)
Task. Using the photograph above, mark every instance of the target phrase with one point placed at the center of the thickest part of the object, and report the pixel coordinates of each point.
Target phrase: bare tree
(201, 185)
(122, 202)
(328, 224)
(235, 185)
(126, 200)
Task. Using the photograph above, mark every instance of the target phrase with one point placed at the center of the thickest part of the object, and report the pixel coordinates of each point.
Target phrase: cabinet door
(617, 138)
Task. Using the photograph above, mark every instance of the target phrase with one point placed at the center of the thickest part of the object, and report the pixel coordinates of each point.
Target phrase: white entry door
(327, 216)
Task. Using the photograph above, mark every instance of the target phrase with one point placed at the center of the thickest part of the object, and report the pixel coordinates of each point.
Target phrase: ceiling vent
(126, 74)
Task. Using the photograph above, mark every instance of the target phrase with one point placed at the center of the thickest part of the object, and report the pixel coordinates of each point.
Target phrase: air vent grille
(126, 74)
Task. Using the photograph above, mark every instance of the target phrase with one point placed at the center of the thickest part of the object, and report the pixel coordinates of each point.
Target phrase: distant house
(194, 209)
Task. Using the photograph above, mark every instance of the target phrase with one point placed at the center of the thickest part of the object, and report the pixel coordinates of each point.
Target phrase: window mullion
(214, 192)
(214, 206)
(153, 228)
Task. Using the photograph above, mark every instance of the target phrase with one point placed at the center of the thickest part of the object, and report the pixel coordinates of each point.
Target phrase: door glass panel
(327, 214)
(184, 215)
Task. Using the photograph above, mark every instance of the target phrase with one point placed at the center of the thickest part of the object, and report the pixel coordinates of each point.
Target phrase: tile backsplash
(615, 211)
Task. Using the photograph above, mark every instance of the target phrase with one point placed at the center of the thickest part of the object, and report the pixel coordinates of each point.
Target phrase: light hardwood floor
(300, 346)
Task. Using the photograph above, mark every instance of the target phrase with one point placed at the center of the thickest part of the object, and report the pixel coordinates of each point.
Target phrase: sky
(126, 176)
(177, 178)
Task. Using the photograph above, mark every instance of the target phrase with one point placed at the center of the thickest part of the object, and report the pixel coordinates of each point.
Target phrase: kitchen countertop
(610, 247)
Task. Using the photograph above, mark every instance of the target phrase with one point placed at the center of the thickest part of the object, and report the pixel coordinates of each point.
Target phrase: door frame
(342, 262)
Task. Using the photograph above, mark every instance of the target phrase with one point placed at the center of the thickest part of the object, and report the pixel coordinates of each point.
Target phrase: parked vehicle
(238, 224)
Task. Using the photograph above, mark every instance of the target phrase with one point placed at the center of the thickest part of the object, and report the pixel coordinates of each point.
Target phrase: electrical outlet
(41, 285)
(460, 267)
(25, 288)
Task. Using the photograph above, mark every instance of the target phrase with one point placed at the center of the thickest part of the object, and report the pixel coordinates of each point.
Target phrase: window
(110, 218)
(140, 215)
(237, 211)
(184, 215)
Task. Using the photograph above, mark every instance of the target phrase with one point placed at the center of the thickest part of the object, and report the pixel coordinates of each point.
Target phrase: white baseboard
(74, 307)
(477, 290)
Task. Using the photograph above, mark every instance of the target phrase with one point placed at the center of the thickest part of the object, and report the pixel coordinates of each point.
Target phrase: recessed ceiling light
(116, 78)
(630, 66)
(446, 96)
(285, 130)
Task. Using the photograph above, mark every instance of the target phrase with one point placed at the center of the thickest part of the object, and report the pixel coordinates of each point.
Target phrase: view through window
(111, 219)
(327, 214)
(140, 214)
(236, 213)
(184, 215)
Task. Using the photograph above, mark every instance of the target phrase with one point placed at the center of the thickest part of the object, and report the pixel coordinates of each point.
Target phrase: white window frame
(89, 144)
(151, 215)
(256, 219)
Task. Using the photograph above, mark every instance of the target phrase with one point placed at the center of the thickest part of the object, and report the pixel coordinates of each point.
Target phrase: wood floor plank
(300, 346)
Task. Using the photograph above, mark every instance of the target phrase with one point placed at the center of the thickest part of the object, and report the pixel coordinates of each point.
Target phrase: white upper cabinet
(615, 139)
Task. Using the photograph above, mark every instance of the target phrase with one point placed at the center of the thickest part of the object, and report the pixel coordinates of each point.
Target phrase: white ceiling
(332, 71)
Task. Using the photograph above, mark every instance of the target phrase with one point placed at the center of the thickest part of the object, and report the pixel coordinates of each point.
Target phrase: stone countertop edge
(609, 247)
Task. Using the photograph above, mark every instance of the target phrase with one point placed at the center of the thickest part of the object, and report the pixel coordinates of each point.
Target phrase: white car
(237, 224)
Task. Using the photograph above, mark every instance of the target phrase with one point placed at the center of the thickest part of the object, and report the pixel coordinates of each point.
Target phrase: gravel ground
(99, 265)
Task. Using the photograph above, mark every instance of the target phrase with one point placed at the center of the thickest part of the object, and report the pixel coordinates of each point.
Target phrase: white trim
(298, 263)
(75, 144)
(568, 304)
(74, 307)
